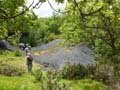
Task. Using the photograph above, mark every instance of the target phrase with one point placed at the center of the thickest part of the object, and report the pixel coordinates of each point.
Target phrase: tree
(43, 30)
(95, 23)
(8, 8)
(11, 14)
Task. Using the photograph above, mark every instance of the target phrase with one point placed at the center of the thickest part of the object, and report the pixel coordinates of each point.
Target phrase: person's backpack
(30, 58)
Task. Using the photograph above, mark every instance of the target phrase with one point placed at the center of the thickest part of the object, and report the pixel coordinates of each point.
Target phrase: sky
(45, 10)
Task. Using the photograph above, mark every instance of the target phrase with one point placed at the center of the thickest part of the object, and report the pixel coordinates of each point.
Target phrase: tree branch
(38, 3)
(86, 14)
(10, 17)
(55, 9)
(95, 27)
(38, 6)
(90, 13)
(75, 2)
(4, 12)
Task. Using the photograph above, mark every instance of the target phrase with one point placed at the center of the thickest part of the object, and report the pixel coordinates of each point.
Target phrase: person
(27, 50)
(22, 46)
(29, 62)
(29, 47)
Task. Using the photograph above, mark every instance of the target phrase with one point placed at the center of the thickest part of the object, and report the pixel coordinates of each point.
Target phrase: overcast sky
(45, 10)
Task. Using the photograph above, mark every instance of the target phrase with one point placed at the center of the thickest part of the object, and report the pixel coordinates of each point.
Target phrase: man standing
(29, 62)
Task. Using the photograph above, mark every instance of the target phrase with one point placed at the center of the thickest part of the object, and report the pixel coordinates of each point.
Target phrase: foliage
(42, 30)
(75, 71)
(27, 82)
(117, 69)
(38, 74)
(95, 23)
(52, 82)
(3, 31)
(10, 64)
(61, 1)
(13, 16)
(105, 74)
(8, 8)
(100, 72)
(10, 70)
(14, 19)
(18, 53)
(14, 39)
(50, 79)
(91, 68)
(104, 71)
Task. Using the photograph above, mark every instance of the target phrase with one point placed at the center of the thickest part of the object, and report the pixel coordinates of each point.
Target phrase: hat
(28, 54)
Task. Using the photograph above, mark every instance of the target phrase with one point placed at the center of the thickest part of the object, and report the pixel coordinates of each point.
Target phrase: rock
(56, 57)
(5, 45)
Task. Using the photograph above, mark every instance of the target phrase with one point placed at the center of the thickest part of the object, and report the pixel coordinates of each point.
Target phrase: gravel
(55, 57)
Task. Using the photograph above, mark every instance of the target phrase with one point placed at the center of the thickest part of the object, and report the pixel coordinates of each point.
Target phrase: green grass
(25, 82)
(85, 84)
(28, 82)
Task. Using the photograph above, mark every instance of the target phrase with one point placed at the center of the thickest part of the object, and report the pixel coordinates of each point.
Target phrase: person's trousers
(29, 67)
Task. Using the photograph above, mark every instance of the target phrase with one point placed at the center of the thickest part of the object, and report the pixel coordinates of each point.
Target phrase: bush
(51, 82)
(17, 53)
(4, 52)
(91, 68)
(10, 69)
(75, 71)
(117, 70)
(104, 73)
(38, 74)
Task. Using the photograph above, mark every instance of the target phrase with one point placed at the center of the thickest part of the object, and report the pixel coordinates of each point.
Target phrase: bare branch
(38, 3)
(55, 9)
(38, 6)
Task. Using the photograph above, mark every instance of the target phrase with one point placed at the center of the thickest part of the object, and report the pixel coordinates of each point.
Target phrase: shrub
(117, 69)
(4, 52)
(91, 68)
(104, 73)
(51, 82)
(17, 53)
(10, 69)
(38, 74)
(75, 71)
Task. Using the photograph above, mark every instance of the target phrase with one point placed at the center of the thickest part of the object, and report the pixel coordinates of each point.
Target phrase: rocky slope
(54, 56)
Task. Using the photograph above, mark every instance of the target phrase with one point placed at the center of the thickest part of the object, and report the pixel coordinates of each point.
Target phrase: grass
(28, 82)
(25, 82)
(85, 84)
